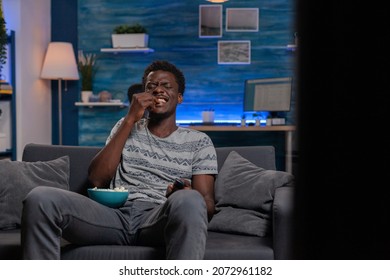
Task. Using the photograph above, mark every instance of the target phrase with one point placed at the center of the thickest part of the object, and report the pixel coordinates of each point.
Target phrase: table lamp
(60, 64)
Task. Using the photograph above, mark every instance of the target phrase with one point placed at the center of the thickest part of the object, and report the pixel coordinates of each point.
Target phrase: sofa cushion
(226, 246)
(244, 195)
(17, 178)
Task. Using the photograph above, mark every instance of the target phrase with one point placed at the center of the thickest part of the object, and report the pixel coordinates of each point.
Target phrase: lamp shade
(60, 62)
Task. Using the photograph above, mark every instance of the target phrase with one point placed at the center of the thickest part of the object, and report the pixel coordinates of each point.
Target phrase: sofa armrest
(282, 221)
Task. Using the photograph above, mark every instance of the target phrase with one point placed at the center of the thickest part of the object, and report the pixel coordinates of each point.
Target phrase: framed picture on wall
(242, 19)
(234, 52)
(210, 21)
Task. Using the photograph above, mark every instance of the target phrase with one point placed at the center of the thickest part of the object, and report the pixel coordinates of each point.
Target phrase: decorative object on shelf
(5, 88)
(105, 96)
(94, 98)
(87, 67)
(269, 120)
(60, 64)
(292, 47)
(130, 36)
(3, 38)
(257, 118)
(86, 95)
(243, 120)
(208, 116)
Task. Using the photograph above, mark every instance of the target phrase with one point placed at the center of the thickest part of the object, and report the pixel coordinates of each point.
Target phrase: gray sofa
(220, 245)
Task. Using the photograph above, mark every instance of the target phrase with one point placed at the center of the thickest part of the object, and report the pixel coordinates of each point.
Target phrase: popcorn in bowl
(116, 189)
(114, 198)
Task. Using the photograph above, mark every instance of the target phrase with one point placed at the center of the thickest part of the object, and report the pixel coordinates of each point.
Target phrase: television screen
(268, 94)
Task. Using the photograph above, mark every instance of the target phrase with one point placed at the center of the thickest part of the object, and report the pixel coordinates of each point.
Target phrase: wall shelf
(101, 104)
(132, 50)
(291, 47)
(288, 47)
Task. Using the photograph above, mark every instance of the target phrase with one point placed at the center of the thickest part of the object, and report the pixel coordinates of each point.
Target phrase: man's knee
(39, 195)
(188, 199)
(187, 205)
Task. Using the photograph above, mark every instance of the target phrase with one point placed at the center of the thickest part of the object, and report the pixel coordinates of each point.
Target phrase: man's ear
(180, 98)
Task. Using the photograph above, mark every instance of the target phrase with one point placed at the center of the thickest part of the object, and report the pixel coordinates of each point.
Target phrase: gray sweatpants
(49, 214)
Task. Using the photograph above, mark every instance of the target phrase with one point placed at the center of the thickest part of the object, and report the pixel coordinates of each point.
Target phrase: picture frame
(234, 52)
(242, 19)
(210, 21)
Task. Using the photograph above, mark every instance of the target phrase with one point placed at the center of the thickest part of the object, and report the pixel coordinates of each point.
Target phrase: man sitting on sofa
(145, 156)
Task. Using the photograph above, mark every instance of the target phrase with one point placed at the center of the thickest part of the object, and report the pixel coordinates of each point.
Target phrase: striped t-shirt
(150, 163)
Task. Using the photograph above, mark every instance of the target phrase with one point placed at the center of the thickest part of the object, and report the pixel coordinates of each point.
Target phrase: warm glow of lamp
(60, 64)
(217, 1)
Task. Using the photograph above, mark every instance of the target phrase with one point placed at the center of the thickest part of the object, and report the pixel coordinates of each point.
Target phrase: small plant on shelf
(130, 36)
(87, 68)
(129, 29)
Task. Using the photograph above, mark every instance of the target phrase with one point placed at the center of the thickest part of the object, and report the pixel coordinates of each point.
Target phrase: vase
(86, 95)
(135, 40)
(208, 116)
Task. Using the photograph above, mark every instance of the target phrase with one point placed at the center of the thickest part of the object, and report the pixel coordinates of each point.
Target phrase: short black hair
(169, 67)
(134, 88)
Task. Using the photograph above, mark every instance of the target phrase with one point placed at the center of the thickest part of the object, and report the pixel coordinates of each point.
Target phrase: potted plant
(87, 68)
(130, 36)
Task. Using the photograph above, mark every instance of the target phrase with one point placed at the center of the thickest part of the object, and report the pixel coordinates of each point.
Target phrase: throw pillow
(17, 178)
(239, 221)
(244, 196)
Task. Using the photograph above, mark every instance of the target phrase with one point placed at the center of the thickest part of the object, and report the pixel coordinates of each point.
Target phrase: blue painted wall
(64, 28)
(173, 34)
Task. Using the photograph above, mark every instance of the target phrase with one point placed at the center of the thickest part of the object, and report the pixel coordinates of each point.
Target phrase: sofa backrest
(81, 156)
(262, 156)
